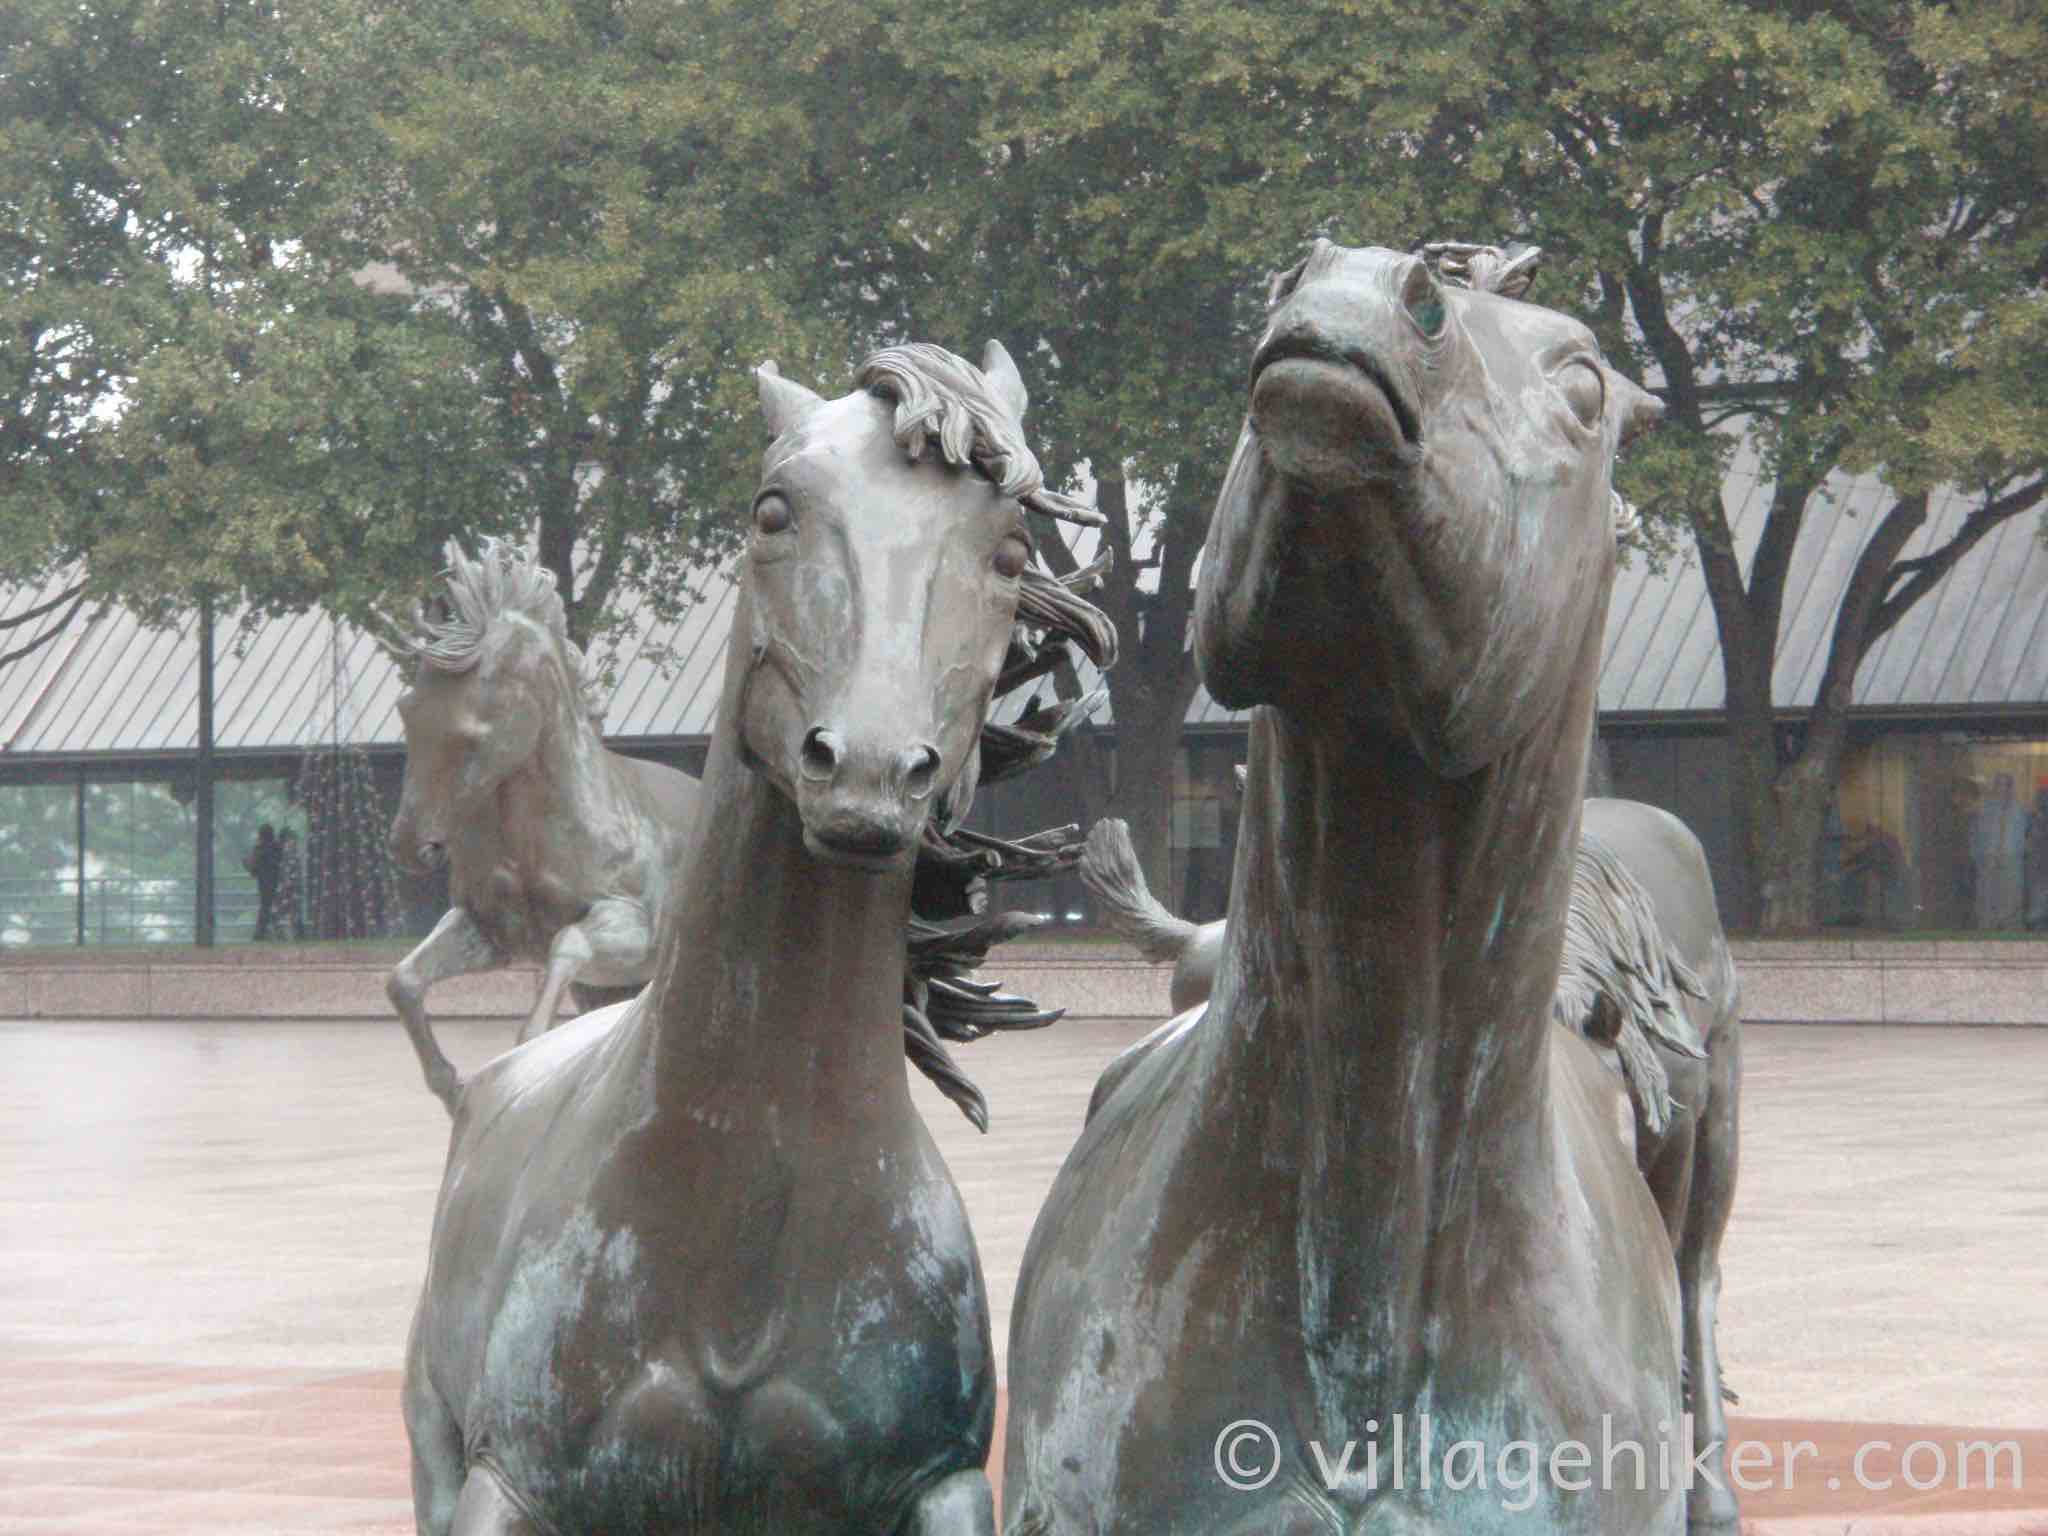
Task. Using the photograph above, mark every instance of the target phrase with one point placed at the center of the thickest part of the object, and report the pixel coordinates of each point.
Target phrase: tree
(198, 396)
(620, 265)
(1138, 172)
(1819, 227)
(280, 319)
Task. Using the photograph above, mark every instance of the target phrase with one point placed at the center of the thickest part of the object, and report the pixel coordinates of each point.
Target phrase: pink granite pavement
(213, 1235)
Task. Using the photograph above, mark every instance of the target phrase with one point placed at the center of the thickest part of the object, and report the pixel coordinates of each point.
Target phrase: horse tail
(1109, 868)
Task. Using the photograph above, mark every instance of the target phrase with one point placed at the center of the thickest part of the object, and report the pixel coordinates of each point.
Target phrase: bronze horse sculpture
(1647, 978)
(1373, 1196)
(558, 849)
(562, 851)
(697, 1265)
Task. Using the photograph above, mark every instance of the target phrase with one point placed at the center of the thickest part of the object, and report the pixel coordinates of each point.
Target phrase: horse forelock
(943, 400)
(501, 582)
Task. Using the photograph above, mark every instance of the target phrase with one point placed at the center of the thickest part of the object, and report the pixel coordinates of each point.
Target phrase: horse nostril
(431, 854)
(916, 769)
(819, 756)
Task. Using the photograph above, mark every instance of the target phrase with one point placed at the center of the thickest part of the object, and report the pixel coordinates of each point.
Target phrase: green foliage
(197, 395)
(1818, 224)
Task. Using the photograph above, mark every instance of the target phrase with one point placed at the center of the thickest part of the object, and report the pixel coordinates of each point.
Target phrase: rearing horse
(558, 849)
(1374, 1187)
(697, 1266)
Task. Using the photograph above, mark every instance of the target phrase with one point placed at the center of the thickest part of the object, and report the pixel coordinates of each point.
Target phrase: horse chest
(733, 1380)
(520, 910)
(1456, 1337)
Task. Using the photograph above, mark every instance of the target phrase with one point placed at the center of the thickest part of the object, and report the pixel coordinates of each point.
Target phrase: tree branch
(1773, 559)
(29, 648)
(1829, 719)
(30, 615)
(1910, 580)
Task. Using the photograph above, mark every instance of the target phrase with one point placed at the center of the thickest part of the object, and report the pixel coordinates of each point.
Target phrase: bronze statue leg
(960, 1505)
(614, 933)
(456, 947)
(1673, 1157)
(437, 1469)
(486, 1510)
(1708, 1508)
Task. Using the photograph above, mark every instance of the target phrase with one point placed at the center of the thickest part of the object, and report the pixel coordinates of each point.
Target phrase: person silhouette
(264, 861)
(290, 903)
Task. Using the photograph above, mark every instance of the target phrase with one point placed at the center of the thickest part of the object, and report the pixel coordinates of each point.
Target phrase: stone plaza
(214, 1236)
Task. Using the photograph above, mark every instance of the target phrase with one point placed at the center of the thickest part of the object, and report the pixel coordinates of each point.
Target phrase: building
(1941, 822)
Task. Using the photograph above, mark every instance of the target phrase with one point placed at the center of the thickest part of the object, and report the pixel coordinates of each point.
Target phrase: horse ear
(786, 403)
(1004, 379)
(1640, 410)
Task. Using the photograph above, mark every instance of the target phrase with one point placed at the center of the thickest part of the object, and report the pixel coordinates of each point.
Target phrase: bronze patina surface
(1647, 976)
(1373, 1183)
(697, 1265)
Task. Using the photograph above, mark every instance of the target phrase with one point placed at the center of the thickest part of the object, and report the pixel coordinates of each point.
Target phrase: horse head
(880, 584)
(1419, 524)
(494, 668)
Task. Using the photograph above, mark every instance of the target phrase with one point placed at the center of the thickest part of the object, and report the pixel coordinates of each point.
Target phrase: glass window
(1943, 832)
(1204, 836)
(39, 863)
(258, 840)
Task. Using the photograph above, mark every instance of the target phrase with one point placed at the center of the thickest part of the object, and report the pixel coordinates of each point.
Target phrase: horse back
(669, 794)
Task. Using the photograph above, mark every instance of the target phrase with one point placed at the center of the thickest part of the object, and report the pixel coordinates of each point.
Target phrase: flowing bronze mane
(1622, 982)
(474, 594)
(943, 405)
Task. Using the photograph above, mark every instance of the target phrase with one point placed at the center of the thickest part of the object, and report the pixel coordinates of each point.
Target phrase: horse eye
(772, 514)
(1012, 555)
(1584, 391)
(1424, 301)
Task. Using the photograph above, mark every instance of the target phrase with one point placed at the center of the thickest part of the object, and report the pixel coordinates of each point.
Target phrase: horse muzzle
(863, 806)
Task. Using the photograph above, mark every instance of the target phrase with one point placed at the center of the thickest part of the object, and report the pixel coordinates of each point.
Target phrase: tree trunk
(1780, 803)
(1789, 862)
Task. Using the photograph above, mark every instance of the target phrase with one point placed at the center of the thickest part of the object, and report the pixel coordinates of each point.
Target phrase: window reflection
(1939, 832)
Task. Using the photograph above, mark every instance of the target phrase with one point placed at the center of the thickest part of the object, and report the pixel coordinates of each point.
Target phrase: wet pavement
(213, 1238)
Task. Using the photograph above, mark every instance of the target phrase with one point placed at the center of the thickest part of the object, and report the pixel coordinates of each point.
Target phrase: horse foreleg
(436, 1439)
(485, 1509)
(1710, 1508)
(959, 1505)
(456, 947)
(613, 937)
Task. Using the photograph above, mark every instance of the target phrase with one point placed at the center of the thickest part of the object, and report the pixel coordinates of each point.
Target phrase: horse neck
(1384, 996)
(568, 782)
(778, 987)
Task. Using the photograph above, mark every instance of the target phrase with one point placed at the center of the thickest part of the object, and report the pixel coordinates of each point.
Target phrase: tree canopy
(293, 293)
(197, 397)
(1818, 227)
